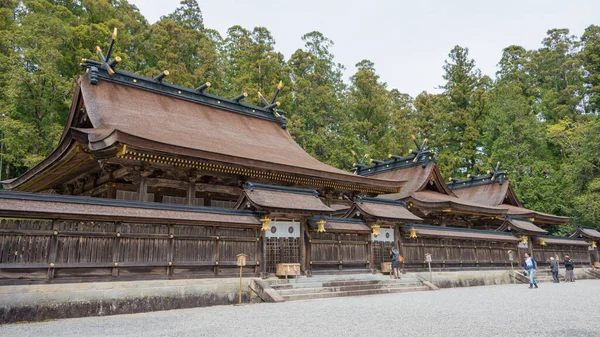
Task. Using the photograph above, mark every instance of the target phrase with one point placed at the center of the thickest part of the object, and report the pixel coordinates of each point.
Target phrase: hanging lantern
(594, 244)
(321, 223)
(375, 230)
(265, 224)
(524, 239)
(542, 242)
(413, 233)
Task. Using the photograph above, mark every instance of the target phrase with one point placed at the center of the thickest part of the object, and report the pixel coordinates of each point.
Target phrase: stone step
(282, 286)
(318, 295)
(298, 291)
(354, 283)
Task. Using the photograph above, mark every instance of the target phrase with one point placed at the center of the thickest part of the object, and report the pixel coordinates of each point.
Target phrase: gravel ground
(566, 309)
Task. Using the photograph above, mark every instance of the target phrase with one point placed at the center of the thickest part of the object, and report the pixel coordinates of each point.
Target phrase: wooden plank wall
(43, 250)
(339, 251)
(453, 254)
(579, 254)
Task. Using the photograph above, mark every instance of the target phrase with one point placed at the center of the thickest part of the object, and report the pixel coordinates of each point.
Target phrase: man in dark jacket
(569, 266)
(530, 265)
(554, 268)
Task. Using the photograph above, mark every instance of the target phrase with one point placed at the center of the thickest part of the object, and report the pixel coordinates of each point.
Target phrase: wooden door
(283, 244)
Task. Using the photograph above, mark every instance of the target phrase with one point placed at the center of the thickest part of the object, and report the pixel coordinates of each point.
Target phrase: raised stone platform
(51, 301)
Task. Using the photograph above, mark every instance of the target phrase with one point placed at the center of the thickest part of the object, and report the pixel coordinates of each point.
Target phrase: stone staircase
(593, 273)
(541, 276)
(324, 286)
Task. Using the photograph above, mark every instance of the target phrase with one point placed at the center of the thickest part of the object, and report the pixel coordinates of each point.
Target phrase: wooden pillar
(308, 241)
(115, 250)
(259, 257)
(530, 246)
(53, 248)
(302, 244)
(142, 188)
(339, 237)
(370, 254)
(191, 192)
(263, 252)
(217, 249)
(171, 250)
(111, 190)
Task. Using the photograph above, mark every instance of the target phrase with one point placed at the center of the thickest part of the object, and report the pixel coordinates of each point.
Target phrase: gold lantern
(321, 223)
(413, 233)
(542, 242)
(375, 230)
(594, 244)
(524, 239)
(265, 224)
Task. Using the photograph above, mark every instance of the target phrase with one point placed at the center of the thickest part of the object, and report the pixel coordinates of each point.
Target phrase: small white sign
(385, 235)
(284, 229)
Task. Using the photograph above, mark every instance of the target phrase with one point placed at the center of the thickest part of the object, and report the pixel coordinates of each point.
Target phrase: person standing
(396, 265)
(530, 265)
(554, 268)
(569, 266)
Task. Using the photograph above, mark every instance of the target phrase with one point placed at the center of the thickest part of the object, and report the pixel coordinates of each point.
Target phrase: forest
(538, 116)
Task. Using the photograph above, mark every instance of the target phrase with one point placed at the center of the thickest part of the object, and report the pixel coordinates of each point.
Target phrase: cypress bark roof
(380, 209)
(587, 232)
(500, 193)
(340, 225)
(459, 233)
(521, 225)
(425, 188)
(150, 118)
(75, 207)
(269, 197)
(554, 240)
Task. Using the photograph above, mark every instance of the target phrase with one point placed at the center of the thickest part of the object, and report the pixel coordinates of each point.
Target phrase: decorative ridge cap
(466, 230)
(119, 203)
(332, 219)
(456, 184)
(188, 94)
(362, 199)
(398, 163)
(275, 188)
(588, 227)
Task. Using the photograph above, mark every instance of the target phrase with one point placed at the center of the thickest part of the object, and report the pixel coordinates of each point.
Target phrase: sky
(407, 40)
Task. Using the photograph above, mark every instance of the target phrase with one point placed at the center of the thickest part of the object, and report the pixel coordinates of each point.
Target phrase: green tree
(316, 111)
(590, 55)
(458, 135)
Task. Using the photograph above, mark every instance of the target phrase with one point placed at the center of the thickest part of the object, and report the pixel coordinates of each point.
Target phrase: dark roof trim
(396, 163)
(69, 199)
(341, 220)
(275, 188)
(558, 237)
(380, 201)
(453, 229)
(473, 181)
(184, 93)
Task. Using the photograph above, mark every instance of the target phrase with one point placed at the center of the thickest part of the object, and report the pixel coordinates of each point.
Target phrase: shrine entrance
(283, 244)
(382, 245)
